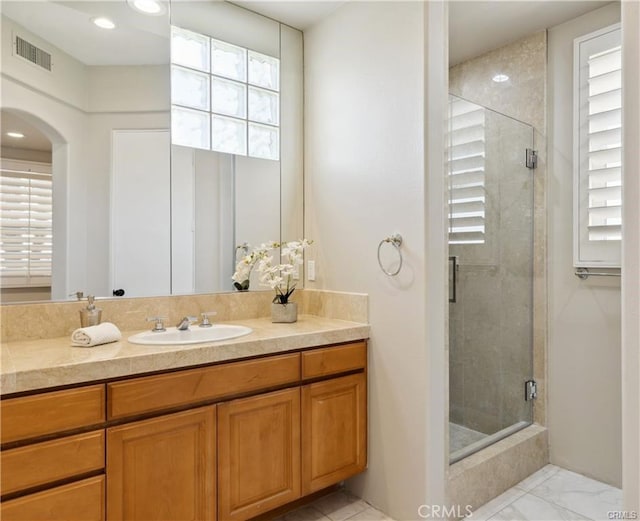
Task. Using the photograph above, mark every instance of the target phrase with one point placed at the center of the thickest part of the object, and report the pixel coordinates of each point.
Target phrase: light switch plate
(311, 270)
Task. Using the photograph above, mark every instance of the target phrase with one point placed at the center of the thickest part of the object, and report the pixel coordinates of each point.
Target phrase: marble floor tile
(306, 513)
(533, 508)
(496, 505)
(537, 477)
(583, 495)
(340, 505)
(370, 514)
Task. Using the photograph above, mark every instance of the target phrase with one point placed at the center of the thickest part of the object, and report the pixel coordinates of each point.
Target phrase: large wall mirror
(147, 162)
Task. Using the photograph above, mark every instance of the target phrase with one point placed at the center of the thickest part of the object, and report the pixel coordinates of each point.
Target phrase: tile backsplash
(34, 321)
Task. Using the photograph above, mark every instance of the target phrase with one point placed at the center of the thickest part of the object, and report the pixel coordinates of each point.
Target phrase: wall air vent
(34, 54)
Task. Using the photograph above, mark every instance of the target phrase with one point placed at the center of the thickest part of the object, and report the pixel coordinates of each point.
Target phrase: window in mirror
(263, 141)
(234, 89)
(228, 97)
(190, 128)
(190, 88)
(228, 60)
(189, 49)
(263, 106)
(229, 135)
(27, 231)
(264, 71)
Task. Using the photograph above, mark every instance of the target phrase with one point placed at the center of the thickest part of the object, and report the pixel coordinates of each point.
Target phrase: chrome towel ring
(396, 241)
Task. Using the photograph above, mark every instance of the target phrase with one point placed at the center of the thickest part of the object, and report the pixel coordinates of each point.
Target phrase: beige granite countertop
(40, 364)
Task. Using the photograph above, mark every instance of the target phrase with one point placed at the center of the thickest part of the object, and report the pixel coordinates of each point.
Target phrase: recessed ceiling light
(151, 7)
(500, 78)
(17, 135)
(103, 23)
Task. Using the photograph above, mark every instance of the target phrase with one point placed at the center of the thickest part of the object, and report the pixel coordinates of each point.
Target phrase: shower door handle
(453, 290)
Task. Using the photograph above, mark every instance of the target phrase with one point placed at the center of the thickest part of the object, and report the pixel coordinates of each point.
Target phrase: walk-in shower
(491, 168)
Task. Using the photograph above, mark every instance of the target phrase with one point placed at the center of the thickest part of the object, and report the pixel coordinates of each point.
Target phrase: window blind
(598, 158)
(26, 206)
(466, 172)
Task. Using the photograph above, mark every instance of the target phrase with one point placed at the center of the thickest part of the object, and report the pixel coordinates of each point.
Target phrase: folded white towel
(95, 335)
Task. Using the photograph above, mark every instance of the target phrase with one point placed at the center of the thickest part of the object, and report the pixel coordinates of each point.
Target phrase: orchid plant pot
(284, 313)
(280, 277)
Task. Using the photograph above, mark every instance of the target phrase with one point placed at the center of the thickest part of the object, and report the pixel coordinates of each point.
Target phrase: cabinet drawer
(152, 393)
(334, 360)
(79, 501)
(51, 460)
(46, 413)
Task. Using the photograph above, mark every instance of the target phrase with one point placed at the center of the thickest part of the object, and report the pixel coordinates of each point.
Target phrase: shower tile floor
(461, 437)
(553, 494)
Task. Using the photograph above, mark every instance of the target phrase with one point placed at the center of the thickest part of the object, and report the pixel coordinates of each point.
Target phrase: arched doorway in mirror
(32, 242)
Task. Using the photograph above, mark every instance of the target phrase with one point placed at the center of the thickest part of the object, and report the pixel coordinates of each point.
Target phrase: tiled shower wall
(497, 320)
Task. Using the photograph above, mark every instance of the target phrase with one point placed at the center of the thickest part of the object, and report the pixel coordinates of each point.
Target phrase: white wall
(584, 316)
(291, 134)
(213, 210)
(631, 259)
(257, 193)
(129, 88)
(364, 180)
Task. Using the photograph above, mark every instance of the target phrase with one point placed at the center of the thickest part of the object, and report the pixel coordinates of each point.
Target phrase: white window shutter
(598, 149)
(466, 173)
(26, 207)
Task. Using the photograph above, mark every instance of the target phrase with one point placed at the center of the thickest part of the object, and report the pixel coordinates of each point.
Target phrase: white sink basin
(194, 335)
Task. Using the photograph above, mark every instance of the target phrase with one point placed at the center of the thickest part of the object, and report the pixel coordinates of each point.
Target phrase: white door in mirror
(196, 335)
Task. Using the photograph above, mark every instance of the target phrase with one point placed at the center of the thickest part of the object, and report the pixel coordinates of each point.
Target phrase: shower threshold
(487, 440)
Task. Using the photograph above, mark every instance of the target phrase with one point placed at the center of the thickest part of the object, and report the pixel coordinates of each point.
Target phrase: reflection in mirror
(121, 219)
(26, 205)
(236, 131)
(80, 85)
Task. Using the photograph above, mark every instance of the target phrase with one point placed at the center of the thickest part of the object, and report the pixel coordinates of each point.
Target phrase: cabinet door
(334, 431)
(258, 454)
(163, 468)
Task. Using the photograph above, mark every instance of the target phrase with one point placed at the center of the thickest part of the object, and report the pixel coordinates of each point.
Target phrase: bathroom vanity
(238, 429)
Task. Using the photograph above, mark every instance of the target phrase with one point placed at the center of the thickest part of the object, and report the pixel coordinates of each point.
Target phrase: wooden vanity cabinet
(224, 442)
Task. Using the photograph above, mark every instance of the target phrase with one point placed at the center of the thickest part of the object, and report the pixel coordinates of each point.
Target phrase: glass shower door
(491, 276)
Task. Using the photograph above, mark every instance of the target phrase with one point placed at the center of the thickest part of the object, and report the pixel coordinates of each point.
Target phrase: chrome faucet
(158, 326)
(205, 318)
(184, 323)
